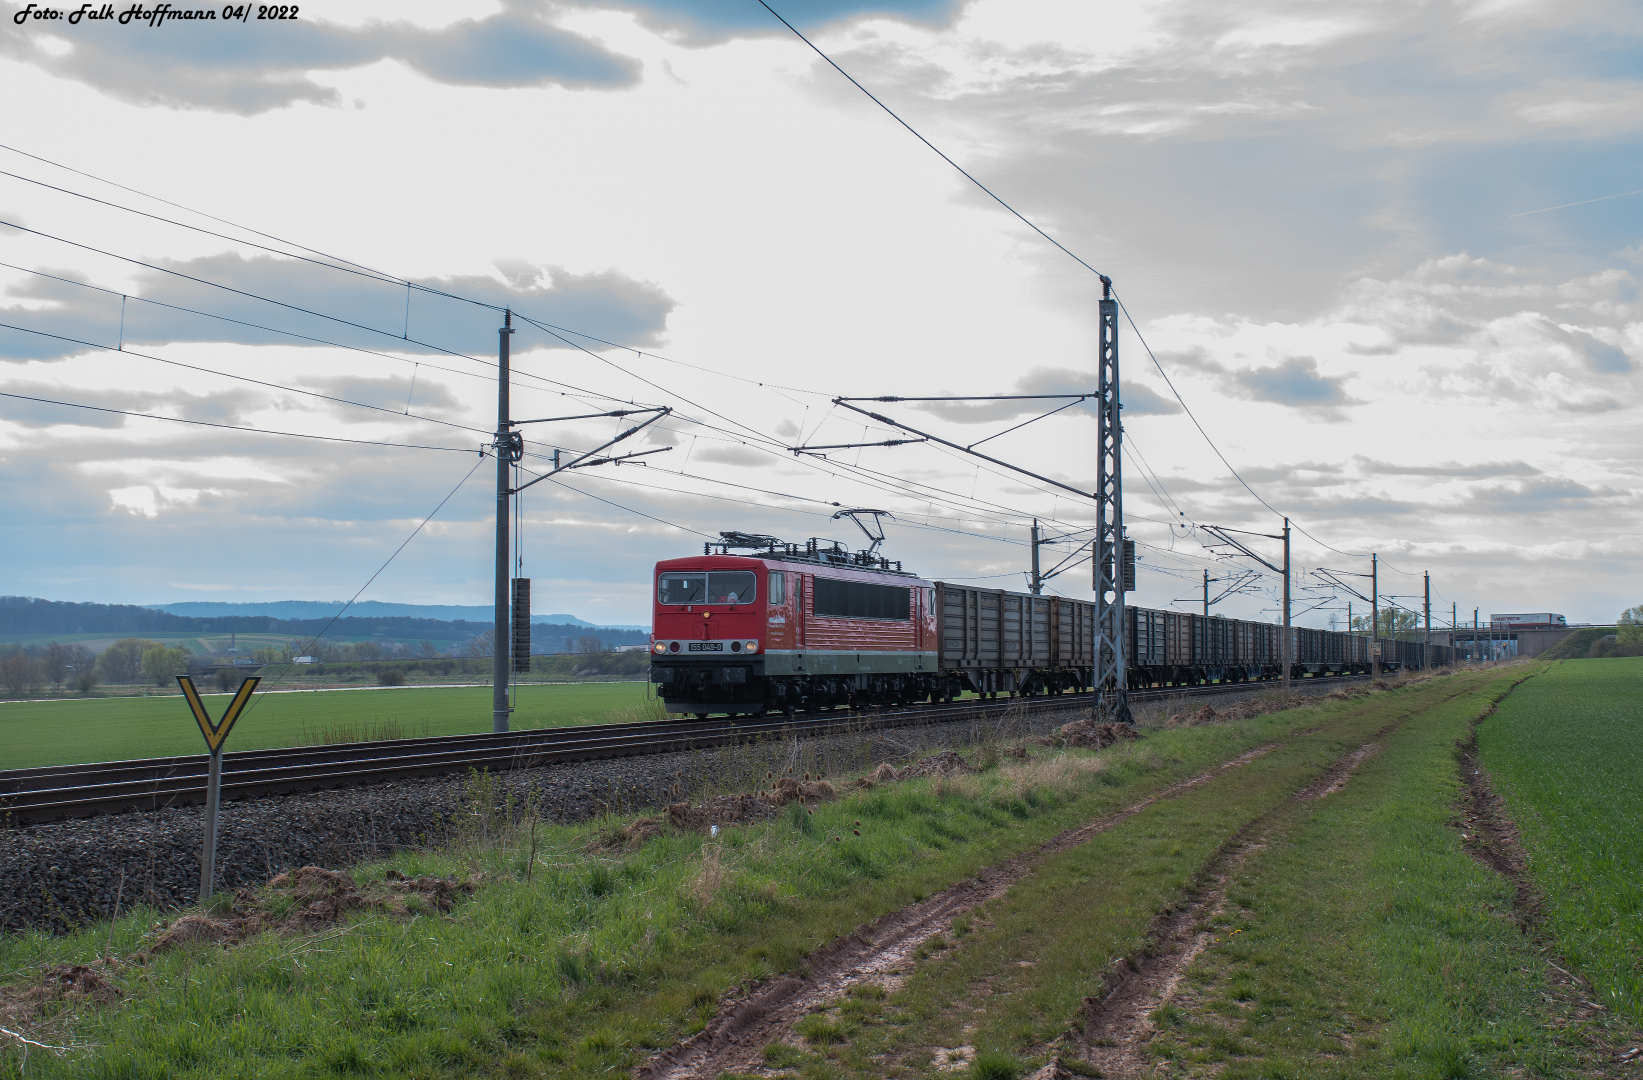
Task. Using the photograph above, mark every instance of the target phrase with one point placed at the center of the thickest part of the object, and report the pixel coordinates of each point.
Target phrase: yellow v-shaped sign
(216, 733)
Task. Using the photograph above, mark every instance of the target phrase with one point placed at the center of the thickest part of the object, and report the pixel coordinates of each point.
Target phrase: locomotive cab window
(683, 588)
(731, 587)
(715, 587)
(777, 594)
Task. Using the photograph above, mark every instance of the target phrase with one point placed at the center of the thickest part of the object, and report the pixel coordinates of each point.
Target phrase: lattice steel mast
(1111, 669)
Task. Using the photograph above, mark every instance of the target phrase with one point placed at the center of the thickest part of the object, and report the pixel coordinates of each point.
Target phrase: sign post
(215, 735)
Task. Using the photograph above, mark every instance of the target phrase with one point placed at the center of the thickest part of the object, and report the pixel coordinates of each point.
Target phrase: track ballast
(144, 784)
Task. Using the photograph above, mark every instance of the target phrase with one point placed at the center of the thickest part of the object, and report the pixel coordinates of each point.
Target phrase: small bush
(391, 676)
(994, 1065)
(781, 1055)
(818, 1029)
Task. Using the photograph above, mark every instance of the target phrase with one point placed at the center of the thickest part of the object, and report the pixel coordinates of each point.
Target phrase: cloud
(607, 304)
(709, 22)
(225, 67)
(1295, 381)
(732, 455)
(1542, 495)
(1599, 355)
(1139, 399)
(400, 394)
(1589, 405)
(1451, 470)
(221, 408)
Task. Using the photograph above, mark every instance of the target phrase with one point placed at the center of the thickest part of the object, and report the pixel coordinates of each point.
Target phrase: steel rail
(146, 784)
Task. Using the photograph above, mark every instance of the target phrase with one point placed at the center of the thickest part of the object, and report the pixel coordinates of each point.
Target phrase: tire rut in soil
(734, 1039)
(1610, 1047)
(1118, 1024)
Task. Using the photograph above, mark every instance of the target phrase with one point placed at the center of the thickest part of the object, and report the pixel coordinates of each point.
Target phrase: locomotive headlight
(735, 646)
(752, 646)
(659, 647)
(673, 646)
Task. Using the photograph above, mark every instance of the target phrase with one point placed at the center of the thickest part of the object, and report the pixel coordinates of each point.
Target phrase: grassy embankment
(572, 964)
(1362, 939)
(1564, 753)
(1359, 939)
(1577, 643)
(34, 734)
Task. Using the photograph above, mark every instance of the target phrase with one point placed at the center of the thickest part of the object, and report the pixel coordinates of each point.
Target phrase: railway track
(145, 784)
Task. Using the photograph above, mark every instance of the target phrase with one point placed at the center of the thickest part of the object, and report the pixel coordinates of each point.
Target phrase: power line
(252, 325)
(239, 292)
(1060, 246)
(927, 142)
(336, 262)
(179, 206)
(233, 427)
(244, 378)
(348, 269)
(420, 526)
(280, 303)
(556, 332)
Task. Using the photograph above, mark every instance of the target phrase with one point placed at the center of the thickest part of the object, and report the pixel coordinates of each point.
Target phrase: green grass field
(571, 963)
(1564, 753)
(109, 729)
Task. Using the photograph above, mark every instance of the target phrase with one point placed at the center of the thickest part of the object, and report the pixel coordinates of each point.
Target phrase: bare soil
(1118, 1025)
(1335, 779)
(308, 899)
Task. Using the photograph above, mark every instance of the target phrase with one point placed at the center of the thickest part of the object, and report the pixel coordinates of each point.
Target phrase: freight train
(797, 628)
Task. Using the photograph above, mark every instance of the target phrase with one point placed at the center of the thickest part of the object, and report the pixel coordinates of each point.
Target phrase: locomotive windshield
(698, 587)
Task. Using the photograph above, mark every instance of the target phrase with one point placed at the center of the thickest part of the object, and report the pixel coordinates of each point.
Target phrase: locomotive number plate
(707, 646)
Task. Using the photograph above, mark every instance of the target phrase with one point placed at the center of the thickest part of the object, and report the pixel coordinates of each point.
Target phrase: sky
(1379, 265)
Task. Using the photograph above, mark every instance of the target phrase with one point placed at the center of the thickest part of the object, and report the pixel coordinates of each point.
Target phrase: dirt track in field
(733, 1041)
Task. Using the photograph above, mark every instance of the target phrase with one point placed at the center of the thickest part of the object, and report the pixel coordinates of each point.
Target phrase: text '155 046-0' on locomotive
(799, 627)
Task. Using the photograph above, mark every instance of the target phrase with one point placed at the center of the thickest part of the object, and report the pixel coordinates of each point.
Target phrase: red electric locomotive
(792, 628)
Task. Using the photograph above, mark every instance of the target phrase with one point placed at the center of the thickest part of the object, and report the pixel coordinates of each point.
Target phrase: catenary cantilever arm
(583, 460)
(962, 449)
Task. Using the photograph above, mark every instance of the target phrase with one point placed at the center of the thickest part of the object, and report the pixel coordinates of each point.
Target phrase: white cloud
(1309, 215)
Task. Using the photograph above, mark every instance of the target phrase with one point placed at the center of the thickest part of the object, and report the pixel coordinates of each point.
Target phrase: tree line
(27, 615)
(1627, 640)
(28, 668)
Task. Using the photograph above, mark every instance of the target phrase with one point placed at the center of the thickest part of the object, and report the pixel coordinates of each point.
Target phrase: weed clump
(1090, 735)
(307, 899)
(994, 1065)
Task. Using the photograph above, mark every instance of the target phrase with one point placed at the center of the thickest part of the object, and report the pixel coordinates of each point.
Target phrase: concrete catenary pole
(1206, 594)
(1289, 645)
(506, 455)
(1037, 582)
(1375, 612)
(1426, 655)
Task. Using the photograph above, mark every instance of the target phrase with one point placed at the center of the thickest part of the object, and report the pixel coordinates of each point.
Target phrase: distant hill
(365, 609)
(28, 615)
